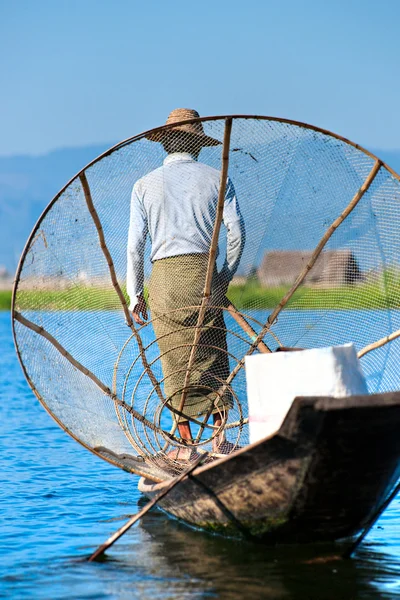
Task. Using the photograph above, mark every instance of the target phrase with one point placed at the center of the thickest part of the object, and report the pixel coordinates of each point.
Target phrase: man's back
(176, 204)
(179, 200)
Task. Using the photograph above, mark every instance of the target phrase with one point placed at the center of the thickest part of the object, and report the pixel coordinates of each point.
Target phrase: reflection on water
(58, 502)
(234, 569)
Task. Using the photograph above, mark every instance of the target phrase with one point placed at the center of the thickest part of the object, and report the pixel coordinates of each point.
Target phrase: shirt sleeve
(236, 233)
(136, 245)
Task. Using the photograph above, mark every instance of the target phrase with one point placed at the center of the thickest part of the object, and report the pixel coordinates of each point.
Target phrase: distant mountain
(27, 184)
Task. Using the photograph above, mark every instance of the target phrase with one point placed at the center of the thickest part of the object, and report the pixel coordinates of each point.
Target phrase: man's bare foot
(182, 454)
(220, 445)
(224, 447)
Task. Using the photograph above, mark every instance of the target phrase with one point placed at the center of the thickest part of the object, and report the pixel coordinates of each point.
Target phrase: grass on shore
(5, 299)
(359, 296)
(251, 296)
(74, 298)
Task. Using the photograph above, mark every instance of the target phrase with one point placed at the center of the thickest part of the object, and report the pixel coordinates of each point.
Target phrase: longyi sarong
(175, 293)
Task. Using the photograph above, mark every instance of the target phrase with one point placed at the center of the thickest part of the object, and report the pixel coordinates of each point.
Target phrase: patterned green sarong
(175, 294)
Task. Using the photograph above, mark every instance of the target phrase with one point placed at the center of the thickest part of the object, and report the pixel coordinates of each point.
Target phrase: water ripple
(58, 502)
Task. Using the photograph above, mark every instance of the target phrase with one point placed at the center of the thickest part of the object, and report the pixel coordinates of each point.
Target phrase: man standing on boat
(176, 205)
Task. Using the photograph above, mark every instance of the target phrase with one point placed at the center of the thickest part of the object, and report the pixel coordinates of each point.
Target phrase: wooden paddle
(115, 536)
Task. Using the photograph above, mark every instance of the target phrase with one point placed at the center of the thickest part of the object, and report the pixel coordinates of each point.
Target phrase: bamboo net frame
(255, 337)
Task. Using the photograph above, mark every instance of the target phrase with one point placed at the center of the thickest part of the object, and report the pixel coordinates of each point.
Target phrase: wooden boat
(320, 478)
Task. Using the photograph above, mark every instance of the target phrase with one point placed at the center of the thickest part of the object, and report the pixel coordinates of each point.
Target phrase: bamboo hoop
(157, 358)
(117, 287)
(176, 411)
(211, 257)
(171, 437)
(320, 246)
(379, 343)
(125, 425)
(237, 316)
(158, 429)
(217, 429)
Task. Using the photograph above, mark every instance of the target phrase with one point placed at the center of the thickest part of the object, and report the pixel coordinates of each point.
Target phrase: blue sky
(92, 71)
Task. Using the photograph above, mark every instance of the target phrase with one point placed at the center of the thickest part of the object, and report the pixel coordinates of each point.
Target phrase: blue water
(58, 502)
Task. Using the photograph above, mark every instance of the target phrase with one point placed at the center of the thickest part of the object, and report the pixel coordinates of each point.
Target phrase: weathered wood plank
(318, 479)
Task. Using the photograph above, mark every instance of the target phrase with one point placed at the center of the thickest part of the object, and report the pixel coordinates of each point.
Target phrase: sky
(80, 72)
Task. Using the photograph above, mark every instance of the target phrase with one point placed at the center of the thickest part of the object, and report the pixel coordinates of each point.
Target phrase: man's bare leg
(184, 430)
(220, 444)
(218, 439)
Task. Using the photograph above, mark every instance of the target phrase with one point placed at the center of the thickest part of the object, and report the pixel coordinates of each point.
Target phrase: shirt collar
(177, 156)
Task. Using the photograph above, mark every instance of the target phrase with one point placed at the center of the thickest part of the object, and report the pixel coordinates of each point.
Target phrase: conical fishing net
(279, 235)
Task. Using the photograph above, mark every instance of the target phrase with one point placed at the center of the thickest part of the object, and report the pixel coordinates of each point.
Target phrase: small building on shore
(333, 268)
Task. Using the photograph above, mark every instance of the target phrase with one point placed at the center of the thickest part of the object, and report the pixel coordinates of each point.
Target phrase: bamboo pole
(106, 390)
(247, 328)
(114, 279)
(211, 257)
(113, 538)
(379, 343)
(324, 240)
(220, 209)
(103, 245)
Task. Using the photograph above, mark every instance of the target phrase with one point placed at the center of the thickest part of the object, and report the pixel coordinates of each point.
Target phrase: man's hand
(218, 294)
(140, 310)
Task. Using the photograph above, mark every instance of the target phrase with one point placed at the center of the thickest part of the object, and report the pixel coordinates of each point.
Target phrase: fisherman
(176, 205)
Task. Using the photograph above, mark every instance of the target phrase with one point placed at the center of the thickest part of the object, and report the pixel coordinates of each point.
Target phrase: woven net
(313, 224)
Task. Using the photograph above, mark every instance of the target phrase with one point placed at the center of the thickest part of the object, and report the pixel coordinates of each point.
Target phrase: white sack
(274, 380)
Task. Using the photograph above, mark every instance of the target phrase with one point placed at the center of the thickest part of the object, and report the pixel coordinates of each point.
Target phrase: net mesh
(122, 388)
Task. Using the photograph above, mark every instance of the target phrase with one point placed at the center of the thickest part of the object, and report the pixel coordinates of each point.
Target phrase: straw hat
(195, 129)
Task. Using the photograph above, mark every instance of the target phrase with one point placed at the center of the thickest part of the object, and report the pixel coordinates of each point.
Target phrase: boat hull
(320, 478)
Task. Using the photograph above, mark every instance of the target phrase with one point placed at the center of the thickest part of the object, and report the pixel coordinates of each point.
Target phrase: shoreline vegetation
(5, 299)
(247, 296)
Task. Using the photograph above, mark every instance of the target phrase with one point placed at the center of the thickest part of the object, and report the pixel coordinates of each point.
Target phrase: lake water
(58, 502)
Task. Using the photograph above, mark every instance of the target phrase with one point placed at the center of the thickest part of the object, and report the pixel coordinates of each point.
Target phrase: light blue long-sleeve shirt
(176, 204)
